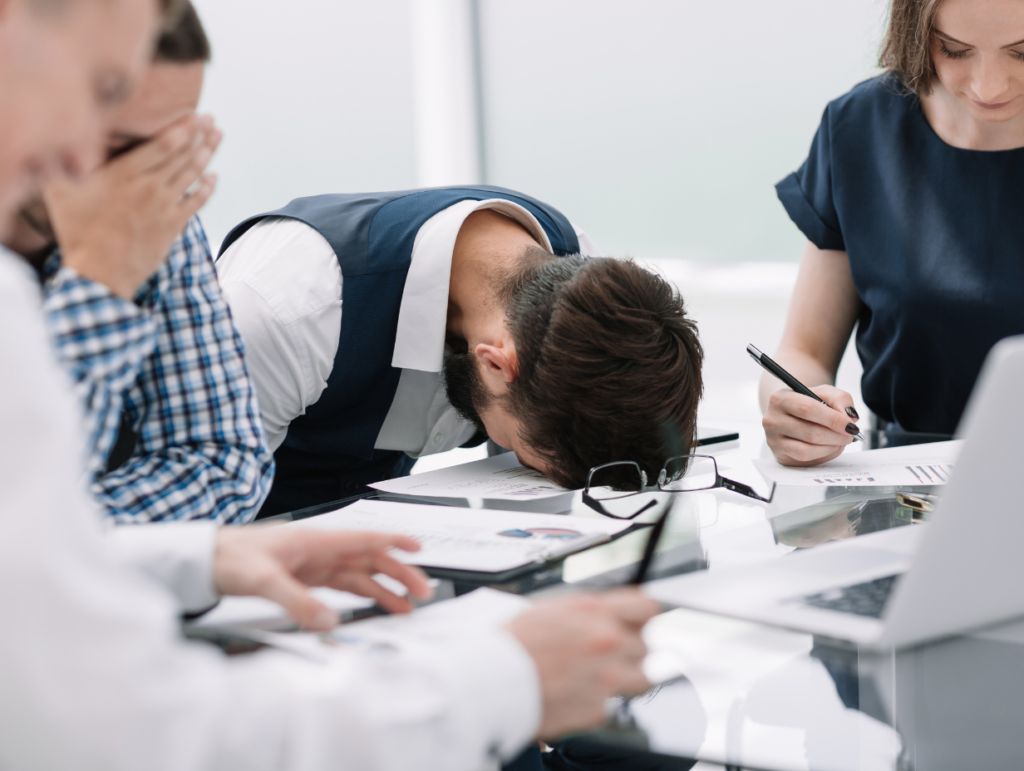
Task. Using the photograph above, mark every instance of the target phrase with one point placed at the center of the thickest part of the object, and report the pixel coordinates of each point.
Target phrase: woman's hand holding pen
(803, 432)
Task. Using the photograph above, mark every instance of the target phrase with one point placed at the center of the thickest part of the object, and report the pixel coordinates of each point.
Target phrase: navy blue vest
(328, 452)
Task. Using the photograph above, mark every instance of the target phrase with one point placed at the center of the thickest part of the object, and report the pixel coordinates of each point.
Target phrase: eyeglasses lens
(694, 473)
(616, 480)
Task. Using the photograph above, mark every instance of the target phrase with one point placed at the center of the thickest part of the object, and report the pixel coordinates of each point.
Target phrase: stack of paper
(501, 480)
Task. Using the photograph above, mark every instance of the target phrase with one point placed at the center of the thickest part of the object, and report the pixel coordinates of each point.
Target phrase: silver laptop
(961, 571)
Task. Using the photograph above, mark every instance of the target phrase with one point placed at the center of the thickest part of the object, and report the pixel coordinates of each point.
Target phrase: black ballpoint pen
(650, 548)
(792, 382)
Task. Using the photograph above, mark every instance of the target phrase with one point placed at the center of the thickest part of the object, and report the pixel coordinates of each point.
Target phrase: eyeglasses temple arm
(596, 506)
(742, 489)
(648, 505)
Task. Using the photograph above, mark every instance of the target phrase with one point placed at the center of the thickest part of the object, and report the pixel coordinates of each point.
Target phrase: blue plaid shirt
(172, 362)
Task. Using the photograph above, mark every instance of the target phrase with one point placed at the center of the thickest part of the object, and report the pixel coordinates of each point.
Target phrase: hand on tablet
(587, 648)
(281, 564)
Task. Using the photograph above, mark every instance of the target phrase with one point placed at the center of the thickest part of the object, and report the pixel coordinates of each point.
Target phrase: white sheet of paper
(489, 541)
(919, 464)
(483, 607)
(498, 478)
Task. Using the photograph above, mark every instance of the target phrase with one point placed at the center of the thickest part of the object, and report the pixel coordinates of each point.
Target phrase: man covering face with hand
(133, 301)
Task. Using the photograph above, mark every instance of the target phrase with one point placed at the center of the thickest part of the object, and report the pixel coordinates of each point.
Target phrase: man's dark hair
(606, 356)
(182, 39)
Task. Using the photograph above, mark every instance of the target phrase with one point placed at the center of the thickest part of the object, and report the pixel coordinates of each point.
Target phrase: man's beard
(465, 388)
(463, 382)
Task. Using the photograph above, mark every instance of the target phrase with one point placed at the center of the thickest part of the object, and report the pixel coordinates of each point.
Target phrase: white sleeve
(177, 555)
(96, 676)
(283, 284)
(587, 246)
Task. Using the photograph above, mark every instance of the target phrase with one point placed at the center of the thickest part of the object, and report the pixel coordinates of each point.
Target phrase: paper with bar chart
(914, 465)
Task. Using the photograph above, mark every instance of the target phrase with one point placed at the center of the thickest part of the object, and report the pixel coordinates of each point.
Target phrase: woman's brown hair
(907, 48)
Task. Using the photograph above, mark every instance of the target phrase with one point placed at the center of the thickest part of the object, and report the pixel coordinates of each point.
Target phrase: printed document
(482, 607)
(487, 541)
(500, 478)
(913, 465)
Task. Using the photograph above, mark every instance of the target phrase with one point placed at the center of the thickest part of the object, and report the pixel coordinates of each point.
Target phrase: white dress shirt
(94, 673)
(284, 285)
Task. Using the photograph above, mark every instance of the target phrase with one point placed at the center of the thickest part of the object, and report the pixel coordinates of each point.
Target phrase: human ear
(499, 363)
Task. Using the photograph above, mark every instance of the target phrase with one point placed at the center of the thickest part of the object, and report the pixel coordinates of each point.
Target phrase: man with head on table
(382, 327)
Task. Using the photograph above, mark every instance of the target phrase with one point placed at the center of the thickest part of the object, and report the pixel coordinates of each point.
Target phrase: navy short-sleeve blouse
(935, 238)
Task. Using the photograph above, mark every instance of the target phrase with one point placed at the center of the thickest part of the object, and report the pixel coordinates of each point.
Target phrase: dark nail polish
(852, 413)
(851, 428)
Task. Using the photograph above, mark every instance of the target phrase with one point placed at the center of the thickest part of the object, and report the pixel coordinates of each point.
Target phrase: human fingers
(414, 579)
(782, 426)
(382, 542)
(327, 558)
(349, 546)
(56, 191)
(372, 559)
(793, 452)
(366, 586)
(630, 606)
(183, 171)
(629, 679)
(812, 411)
(183, 158)
(351, 543)
(838, 399)
(169, 143)
(190, 205)
(622, 671)
(795, 441)
(618, 646)
(295, 598)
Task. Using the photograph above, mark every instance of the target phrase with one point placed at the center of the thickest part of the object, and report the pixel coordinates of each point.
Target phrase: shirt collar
(423, 314)
(51, 264)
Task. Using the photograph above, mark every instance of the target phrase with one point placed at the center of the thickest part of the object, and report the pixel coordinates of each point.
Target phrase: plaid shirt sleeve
(102, 340)
(201, 452)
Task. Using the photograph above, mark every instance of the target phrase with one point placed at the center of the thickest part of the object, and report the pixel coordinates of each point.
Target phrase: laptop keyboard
(867, 599)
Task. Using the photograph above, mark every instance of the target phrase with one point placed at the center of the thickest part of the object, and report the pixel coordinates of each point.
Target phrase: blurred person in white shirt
(94, 671)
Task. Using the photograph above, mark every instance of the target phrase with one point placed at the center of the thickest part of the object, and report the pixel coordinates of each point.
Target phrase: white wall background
(663, 125)
(314, 96)
(660, 126)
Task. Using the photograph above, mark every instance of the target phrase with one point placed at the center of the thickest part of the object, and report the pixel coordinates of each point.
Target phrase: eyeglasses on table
(681, 474)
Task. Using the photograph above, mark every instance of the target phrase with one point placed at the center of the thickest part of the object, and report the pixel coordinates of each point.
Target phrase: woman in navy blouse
(912, 201)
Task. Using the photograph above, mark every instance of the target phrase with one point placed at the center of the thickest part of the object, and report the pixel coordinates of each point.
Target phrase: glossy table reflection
(745, 695)
(750, 696)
